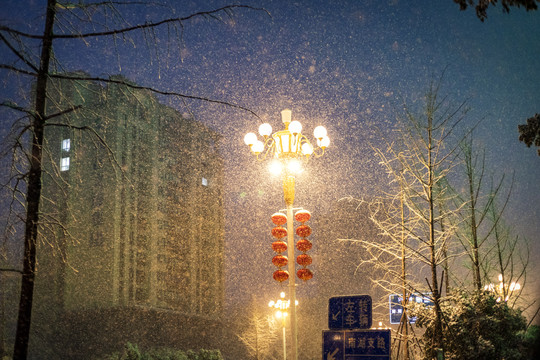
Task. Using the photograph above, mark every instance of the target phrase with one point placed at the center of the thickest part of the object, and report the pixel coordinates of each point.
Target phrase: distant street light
(287, 149)
(503, 290)
(281, 307)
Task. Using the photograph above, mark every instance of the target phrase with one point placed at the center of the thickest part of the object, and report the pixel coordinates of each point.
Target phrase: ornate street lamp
(503, 290)
(287, 149)
(281, 306)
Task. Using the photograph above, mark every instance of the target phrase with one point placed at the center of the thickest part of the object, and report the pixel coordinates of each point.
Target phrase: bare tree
(415, 227)
(475, 213)
(439, 208)
(62, 22)
(423, 163)
(485, 238)
(508, 256)
(261, 333)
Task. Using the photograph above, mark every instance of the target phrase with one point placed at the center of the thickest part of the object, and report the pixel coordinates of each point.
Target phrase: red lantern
(279, 232)
(279, 260)
(304, 274)
(303, 260)
(302, 216)
(281, 275)
(279, 246)
(303, 231)
(279, 219)
(304, 245)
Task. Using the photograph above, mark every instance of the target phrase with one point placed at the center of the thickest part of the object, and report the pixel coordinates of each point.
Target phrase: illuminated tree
(261, 334)
(425, 224)
(416, 230)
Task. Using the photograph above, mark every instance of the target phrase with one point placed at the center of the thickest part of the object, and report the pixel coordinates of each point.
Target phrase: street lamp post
(503, 290)
(287, 148)
(281, 307)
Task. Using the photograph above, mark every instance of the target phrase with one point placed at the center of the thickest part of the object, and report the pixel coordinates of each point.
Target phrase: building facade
(132, 210)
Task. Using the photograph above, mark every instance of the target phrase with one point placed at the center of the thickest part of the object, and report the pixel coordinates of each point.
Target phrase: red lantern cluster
(279, 247)
(303, 245)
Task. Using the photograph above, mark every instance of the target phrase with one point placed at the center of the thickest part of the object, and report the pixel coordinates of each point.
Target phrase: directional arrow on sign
(330, 356)
(350, 312)
(333, 345)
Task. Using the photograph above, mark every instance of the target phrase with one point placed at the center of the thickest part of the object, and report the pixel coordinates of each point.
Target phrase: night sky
(347, 65)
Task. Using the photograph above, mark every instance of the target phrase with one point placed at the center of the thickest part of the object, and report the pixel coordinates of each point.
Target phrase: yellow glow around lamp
(275, 167)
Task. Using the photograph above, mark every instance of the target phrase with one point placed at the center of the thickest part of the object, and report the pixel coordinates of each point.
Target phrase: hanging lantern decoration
(303, 245)
(279, 246)
(304, 260)
(281, 275)
(279, 232)
(279, 219)
(303, 231)
(304, 274)
(302, 216)
(280, 261)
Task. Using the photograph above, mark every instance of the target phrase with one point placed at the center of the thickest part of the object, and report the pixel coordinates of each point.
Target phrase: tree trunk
(33, 196)
(438, 332)
(404, 302)
(477, 281)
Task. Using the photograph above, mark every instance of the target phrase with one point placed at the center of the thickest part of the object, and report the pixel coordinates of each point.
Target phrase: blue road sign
(333, 345)
(350, 312)
(356, 344)
(396, 309)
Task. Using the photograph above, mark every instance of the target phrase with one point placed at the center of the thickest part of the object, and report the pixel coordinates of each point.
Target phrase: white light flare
(275, 167)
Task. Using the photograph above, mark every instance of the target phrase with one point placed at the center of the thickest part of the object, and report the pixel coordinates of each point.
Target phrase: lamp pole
(287, 148)
(281, 307)
(288, 192)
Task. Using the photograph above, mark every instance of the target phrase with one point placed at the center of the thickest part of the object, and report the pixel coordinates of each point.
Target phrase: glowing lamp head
(319, 132)
(250, 138)
(295, 127)
(307, 149)
(265, 130)
(286, 116)
(258, 147)
(323, 142)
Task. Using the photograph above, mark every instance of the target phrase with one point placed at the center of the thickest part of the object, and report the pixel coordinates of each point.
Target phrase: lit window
(64, 164)
(205, 181)
(66, 144)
